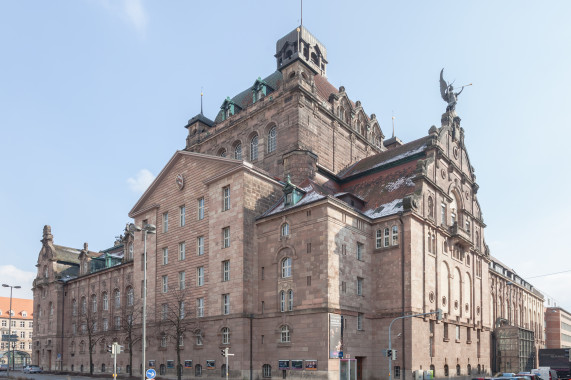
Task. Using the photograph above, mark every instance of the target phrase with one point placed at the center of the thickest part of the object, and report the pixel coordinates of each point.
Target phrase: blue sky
(94, 96)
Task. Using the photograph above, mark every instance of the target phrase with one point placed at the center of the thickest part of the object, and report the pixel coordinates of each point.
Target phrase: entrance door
(360, 360)
(49, 360)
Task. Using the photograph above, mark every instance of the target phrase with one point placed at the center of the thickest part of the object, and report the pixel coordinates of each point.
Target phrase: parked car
(33, 369)
(528, 376)
(3, 367)
(545, 373)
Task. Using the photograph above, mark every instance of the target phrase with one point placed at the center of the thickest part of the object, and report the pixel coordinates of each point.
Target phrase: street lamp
(147, 229)
(10, 325)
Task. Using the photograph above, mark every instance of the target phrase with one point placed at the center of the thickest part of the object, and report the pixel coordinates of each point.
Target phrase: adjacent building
(557, 328)
(22, 323)
(292, 233)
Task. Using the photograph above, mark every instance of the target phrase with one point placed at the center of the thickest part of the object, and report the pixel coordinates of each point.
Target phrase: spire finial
(301, 12)
(393, 124)
(201, 100)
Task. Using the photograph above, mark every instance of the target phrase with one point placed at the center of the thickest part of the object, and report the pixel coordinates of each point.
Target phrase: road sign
(10, 338)
(151, 373)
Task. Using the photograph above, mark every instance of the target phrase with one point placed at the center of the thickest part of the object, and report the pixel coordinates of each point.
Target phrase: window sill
(468, 342)
(284, 344)
(457, 340)
(446, 340)
(380, 249)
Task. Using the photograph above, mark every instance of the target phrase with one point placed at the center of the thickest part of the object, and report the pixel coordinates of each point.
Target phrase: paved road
(45, 376)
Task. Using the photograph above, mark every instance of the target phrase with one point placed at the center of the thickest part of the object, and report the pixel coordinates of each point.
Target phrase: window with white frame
(290, 300)
(105, 301)
(360, 321)
(200, 307)
(83, 306)
(225, 304)
(181, 280)
(272, 139)
(284, 336)
(285, 230)
(165, 256)
(286, 267)
(198, 335)
(225, 335)
(181, 310)
(226, 198)
(200, 245)
(282, 301)
(395, 235)
(163, 340)
(117, 322)
(105, 324)
(165, 222)
(200, 208)
(379, 239)
(199, 276)
(93, 305)
(238, 151)
(130, 296)
(254, 148)
(360, 286)
(130, 257)
(386, 238)
(266, 370)
(226, 270)
(182, 215)
(182, 251)
(117, 298)
(360, 250)
(164, 311)
(226, 237)
(443, 213)
(165, 283)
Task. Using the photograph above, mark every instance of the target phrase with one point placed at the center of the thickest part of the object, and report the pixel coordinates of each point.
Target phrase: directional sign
(151, 373)
(10, 338)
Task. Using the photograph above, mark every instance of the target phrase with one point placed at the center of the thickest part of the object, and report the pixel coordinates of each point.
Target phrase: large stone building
(292, 233)
(22, 326)
(557, 328)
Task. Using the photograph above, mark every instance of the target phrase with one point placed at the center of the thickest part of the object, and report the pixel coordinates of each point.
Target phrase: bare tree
(88, 325)
(131, 322)
(174, 322)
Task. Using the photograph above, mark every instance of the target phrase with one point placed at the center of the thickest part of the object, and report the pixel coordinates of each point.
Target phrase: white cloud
(131, 11)
(141, 181)
(16, 277)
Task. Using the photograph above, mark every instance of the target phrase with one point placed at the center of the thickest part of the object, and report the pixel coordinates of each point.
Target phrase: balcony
(460, 236)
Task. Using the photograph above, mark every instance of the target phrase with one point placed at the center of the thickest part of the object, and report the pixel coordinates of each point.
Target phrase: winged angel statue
(448, 94)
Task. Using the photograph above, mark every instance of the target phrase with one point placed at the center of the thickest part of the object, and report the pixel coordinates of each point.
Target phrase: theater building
(291, 232)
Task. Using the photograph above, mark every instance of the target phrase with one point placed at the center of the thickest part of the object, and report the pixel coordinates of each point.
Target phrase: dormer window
(292, 194)
(229, 108)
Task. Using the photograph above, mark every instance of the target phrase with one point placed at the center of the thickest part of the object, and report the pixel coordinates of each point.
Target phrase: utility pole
(392, 354)
(225, 353)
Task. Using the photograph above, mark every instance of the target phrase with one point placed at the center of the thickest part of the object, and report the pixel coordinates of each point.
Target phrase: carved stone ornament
(180, 181)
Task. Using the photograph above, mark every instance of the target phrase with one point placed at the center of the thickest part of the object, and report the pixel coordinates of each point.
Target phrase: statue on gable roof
(448, 94)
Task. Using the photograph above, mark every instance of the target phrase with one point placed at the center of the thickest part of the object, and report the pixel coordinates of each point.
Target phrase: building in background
(22, 326)
(291, 232)
(557, 328)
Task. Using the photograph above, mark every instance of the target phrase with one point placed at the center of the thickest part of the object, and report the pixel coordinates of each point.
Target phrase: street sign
(10, 338)
(151, 373)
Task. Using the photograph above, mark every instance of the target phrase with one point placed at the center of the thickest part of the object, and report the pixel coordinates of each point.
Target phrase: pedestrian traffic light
(389, 353)
(394, 354)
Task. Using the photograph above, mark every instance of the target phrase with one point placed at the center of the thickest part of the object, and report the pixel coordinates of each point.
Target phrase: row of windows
(22, 323)
(94, 304)
(237, 146)
(387, 237)
(199, 277)
(22, 345)
(199, 215)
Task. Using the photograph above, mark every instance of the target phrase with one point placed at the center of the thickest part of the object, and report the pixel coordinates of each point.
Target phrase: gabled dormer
(229, 108)
(260, 89)
(292, 194)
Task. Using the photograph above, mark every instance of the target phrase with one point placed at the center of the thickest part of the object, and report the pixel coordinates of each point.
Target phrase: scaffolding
(515, 349)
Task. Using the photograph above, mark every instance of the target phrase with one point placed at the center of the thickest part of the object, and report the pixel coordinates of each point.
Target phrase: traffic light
(223, 352)
(439, 314)
(118, 348)
(110, 348)
(394, 354)
(389, 353)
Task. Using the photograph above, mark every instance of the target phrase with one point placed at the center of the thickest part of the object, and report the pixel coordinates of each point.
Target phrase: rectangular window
(201, 209)
(457, 332)
(200, 307)
(379, 239)
(181, 280)
(165, 222)
(200, 246)
(386, 238)
(308, 280)
(360, 286)
(226, 198)
(181, 251)
(182, 220)
(360, 321)
(343, 286)
(445, 330)
(164, 311)
(442, 214)
(226, 270)
(468, 335)
(343, 249)
(395, 235)
(226, 237)
(165, 283)
(308, 247)
(397, 372)
(225, 304)
(200, 276)
(431, 340)
(360, 249)
(165, 256)
(263, 273)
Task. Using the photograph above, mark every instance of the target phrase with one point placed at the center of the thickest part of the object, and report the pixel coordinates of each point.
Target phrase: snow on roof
(392, 186)
(385, 209)
(310, 196)
(401, 156)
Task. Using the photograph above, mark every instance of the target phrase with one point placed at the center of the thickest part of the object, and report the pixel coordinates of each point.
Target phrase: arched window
(458, 371)
(266, 370)
(130, 296)
(446, 373)
(198, 335)
(395, 235)
(238, 151)
(83, 306)
(198, 370)
(103, 367)
(469, 369)
(272, 139)
(222, 152)
(284, 336)
(286, 267)
(74, 307)
(225, 335)
(285, 229)
(282, 301)
(290, 300)
(94, 303)
(45, 271)
(433, 370)
(105, 301)
(117, 298)
(430, 208)
(254, 148)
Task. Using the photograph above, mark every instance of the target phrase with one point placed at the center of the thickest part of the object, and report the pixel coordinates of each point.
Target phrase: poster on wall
(151, 364)
(297, 364)
(187, 363)
(170, 363)
(335, 336)
(311, 365)
(283, 364)
(211, 364)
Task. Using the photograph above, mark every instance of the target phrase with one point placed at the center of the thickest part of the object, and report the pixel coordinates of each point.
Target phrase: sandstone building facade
(291, 232)
(22, 320)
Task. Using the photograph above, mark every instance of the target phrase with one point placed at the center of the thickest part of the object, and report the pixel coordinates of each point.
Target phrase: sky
(95, 94)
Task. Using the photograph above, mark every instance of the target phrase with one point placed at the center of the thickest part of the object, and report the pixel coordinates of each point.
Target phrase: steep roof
(66, 254)
(19, 305)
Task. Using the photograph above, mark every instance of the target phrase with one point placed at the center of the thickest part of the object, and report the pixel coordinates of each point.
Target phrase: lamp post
(10, 325)
(147, 229)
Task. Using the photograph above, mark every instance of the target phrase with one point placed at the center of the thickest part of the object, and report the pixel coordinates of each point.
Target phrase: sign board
(151, 373)
(10, 338)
